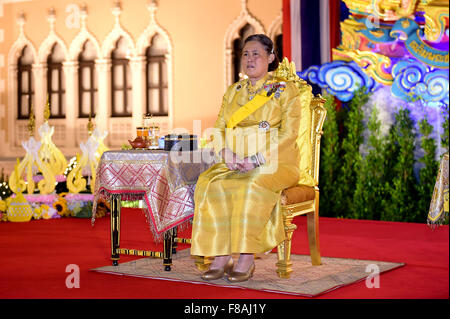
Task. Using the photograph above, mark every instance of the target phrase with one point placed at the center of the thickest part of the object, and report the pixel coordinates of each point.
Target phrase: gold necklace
(252, 94)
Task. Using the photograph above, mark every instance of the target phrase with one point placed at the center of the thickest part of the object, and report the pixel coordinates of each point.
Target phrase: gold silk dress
(240, 212)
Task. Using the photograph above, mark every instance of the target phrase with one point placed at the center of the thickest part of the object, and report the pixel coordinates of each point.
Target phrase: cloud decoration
(434, 87)
(407, 74)
(338, 78)
(414, 80)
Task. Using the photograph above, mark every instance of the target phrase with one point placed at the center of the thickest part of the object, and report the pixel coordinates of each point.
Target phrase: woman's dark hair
(268, 46)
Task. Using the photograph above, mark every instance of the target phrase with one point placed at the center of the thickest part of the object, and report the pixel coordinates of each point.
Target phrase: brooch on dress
(276, 88)
(264, 126)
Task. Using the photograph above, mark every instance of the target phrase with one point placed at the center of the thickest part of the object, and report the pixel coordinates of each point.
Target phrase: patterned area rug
(306, 280)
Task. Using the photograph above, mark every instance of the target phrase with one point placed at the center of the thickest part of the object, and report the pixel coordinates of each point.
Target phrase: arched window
(120, 81)
(156, 78)
(55, 82)
(87, 81)
(238, 45)
(25, 88)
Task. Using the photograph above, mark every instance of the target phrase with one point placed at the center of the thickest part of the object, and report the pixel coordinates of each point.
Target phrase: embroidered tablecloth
(164, 180)
(439, 202)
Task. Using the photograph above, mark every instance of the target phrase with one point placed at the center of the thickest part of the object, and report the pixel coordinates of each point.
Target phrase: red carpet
(34, 256)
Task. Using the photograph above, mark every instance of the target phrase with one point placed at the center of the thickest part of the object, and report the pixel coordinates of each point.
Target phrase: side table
(164, 180)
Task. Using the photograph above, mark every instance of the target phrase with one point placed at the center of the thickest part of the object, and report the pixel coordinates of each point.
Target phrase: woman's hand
(246, 165)
(232, 160)
(235, 163)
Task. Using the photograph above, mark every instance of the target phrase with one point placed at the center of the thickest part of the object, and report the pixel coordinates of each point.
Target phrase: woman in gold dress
(237, 201)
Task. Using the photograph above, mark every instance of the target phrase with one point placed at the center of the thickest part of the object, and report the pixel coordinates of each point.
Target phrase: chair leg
(313, 233)
(284, 264)
(202, 263)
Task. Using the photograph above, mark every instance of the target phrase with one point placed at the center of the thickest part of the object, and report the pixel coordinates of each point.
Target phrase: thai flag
(311, 28)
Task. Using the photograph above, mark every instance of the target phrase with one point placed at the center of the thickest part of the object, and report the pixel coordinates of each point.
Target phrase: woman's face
(255, 60)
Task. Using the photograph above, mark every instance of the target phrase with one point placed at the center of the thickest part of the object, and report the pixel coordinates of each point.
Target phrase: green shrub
(428, 173)
(370, 188)
(382, 185)
(400, 201)
(329, 158)
(445, 128)
(350, 162)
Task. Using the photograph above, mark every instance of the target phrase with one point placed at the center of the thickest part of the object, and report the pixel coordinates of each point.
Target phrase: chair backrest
(318, 115)
(309, 169)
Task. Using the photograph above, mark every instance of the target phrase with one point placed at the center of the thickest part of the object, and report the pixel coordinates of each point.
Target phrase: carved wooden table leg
(168, 242)
(115, 227)
(174, 242)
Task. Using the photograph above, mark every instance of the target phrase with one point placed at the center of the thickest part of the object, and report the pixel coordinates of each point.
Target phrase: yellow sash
(247, 109)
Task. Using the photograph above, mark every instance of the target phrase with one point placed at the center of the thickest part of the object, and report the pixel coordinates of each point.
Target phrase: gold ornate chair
(304, 198)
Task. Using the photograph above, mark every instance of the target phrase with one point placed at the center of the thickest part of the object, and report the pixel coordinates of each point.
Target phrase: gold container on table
(154, 137)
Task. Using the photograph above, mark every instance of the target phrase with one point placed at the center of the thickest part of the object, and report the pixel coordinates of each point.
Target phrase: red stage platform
(34, 257)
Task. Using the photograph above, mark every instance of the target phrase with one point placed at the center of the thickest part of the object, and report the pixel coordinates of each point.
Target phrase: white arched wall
(144, 40)
(232, 34)
(63, 135)
(276, 27)
(79, 129)
(137, 48)
(72, 130)
(119, 128)
(76, 46)
(19, 131)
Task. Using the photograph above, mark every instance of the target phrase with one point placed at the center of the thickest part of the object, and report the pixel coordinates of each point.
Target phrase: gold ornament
(90, 125)
(436, 14)
(19, 210)
(49, 153)
(371, 63)
(286, 72)
(16, 182)
(92, 151)
(47, 110)
(31, 121)
(75, 181)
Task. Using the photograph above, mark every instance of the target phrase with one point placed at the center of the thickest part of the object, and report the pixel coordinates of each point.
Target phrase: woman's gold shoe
(236, 276)
(218, 273)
